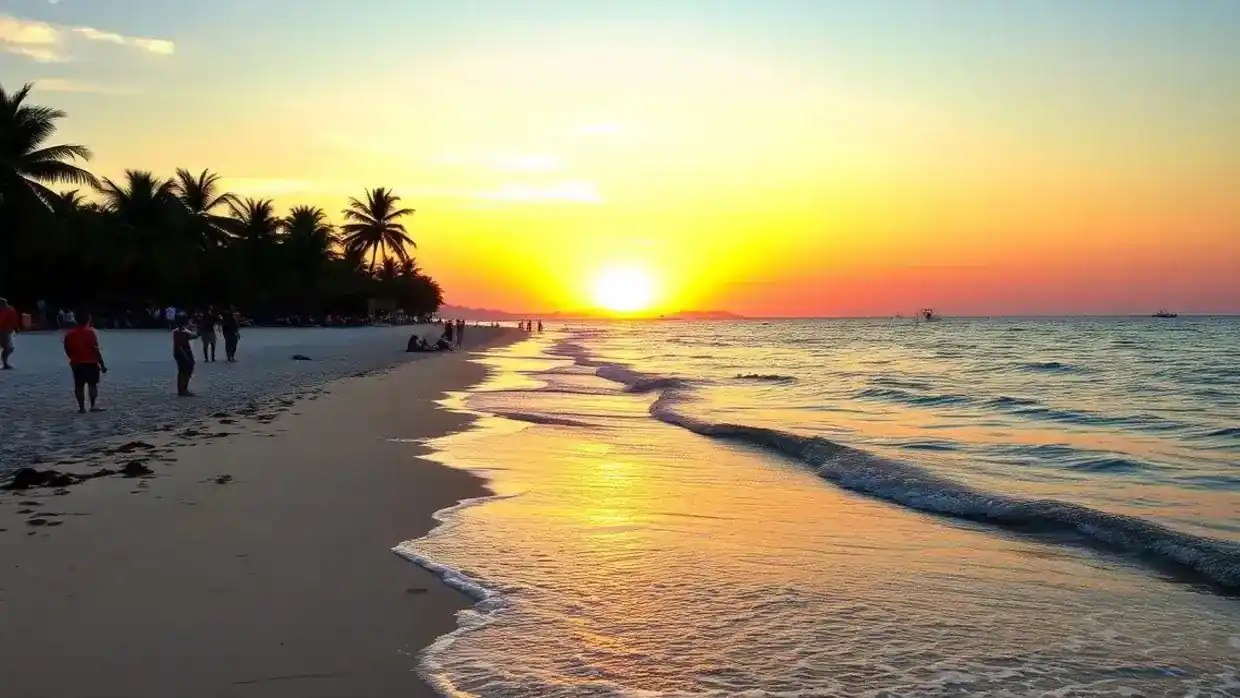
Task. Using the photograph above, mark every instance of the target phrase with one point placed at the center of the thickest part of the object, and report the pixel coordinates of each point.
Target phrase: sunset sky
(777, 157)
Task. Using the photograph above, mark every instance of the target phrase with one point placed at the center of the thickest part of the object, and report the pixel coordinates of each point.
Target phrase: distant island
(492, 315)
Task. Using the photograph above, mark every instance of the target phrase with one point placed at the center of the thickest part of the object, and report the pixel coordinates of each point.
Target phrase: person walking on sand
(170, 316)
(8, 327)
(206, 332)
(85, 361)
(231, 326)
(183, 353)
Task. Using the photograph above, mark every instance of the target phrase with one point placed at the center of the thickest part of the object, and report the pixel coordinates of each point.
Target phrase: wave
(908, 398)
(1110, 465)
(1003, 401)
(537, 418)
(766, 378)
(1049, 367)
(916, 488)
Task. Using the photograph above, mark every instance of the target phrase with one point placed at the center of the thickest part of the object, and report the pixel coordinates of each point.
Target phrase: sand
(138, 390)
(277, 580)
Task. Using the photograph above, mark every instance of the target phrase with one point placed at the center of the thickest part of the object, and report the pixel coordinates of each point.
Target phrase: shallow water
(1021, 507)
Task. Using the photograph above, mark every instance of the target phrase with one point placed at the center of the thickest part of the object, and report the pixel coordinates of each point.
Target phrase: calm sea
(850, 508)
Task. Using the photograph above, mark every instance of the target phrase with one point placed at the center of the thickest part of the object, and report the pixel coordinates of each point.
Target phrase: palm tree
(144, 215)
(25, 162)
(308, 231)
(388, 271)
(409, 268)
(373, 226)
(255, 221)
(200, 195)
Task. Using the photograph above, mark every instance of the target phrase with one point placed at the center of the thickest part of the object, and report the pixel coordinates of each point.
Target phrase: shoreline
(257, 558)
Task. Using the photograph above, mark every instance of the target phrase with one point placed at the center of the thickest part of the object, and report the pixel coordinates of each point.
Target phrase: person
(231, 327)
(460, 332)
(206, 331)
(449, 331)
(85, 361)
(183, 353)
(540, 327)
(170, 316)
(8, 327)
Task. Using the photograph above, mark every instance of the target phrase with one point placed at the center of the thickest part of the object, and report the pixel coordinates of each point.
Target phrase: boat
(1166, 313)
(927, 315)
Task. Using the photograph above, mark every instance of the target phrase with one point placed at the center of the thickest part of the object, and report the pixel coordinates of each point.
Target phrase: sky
(767, 157)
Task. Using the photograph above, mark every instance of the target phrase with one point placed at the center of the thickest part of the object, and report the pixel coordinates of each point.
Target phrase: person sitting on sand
(85, 361)
(8, 327)
(444, 344)
(183, 353)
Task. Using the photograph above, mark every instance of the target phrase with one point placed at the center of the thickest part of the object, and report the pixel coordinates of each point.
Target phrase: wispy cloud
(505, 162)
(574, 191)
(603, 129)
(68, 85)
(53, 43)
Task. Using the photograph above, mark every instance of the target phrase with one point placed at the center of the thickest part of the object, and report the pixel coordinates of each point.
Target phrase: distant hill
(492, 315)
(479, 314)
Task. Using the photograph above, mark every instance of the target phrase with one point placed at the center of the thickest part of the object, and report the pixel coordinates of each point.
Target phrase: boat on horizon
(1166, 313)
(928, 315)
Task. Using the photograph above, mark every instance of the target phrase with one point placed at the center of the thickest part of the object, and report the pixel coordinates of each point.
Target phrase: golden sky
(774, 158)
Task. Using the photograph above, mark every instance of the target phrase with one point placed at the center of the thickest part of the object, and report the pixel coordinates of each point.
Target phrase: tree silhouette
(26, 164)
(119, 245)
(373, 226)
(201, 195)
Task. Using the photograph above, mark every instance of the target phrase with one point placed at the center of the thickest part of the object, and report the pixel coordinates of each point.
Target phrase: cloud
(506, 162)
(67, 85)
(605, 129)
(575, 191)
(51, 43)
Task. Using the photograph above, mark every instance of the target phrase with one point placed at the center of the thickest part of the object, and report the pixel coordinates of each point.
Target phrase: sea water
(849, 508)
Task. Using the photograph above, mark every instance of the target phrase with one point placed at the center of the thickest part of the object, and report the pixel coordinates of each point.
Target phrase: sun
(624, 289)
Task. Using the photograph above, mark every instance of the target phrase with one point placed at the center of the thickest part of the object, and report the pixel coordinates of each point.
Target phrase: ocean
(796, 509)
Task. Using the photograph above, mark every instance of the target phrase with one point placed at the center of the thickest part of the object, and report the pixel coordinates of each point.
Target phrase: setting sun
(624, 290)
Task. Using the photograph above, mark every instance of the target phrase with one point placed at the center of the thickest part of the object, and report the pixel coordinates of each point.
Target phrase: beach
(139, 392)
(255, 558)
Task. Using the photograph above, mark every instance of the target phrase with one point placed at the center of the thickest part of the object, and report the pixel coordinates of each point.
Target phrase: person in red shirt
(8, 326)
(86, 362)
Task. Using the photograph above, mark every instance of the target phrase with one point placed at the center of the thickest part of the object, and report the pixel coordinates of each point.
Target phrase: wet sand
(253, 561)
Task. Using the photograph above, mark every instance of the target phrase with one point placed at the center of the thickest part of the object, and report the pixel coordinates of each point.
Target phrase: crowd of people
(81, 343)
(86, 362)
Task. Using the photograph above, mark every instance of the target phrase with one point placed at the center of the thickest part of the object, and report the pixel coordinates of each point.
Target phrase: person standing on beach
(183, 353)
(449, 332)
(206, 331)
(85, 361)
(170, 316)
(231, 327)
(8, 327)
(460, 332)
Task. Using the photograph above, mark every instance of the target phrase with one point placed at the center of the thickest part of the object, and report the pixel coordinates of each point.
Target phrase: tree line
(72, 239)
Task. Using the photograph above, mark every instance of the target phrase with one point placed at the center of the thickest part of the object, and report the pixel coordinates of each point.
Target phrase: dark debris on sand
(135, 468)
